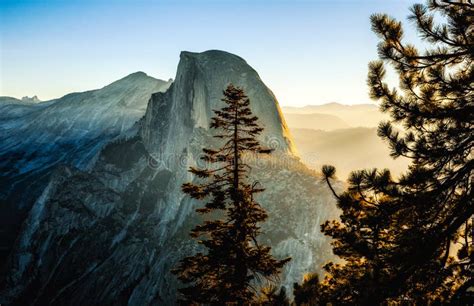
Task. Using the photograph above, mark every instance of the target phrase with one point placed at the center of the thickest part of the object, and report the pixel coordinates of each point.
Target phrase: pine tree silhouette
(233, 259)
(398, 237)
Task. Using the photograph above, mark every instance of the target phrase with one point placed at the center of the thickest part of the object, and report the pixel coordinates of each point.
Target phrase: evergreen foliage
(271, 296)
(410, 240)
(234, 261)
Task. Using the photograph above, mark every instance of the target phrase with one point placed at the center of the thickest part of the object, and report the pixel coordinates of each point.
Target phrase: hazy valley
(341, 135)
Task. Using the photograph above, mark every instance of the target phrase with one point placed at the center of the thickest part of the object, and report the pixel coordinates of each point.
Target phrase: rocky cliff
(110, 234)
(37, 137)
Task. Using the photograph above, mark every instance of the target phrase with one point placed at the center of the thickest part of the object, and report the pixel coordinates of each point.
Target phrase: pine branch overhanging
(397, 237)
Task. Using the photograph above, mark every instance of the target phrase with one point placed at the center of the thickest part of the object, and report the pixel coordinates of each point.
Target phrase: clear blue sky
(307, 52)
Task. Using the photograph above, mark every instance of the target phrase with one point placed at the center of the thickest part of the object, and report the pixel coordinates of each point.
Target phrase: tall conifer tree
(233, 259)
(411, 239)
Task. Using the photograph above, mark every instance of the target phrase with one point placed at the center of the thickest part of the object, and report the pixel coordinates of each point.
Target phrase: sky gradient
(307, 52)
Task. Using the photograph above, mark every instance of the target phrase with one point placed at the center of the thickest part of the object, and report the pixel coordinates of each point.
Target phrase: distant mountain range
(357, 115)
(25, 100)
(316, 121)
(341, 135)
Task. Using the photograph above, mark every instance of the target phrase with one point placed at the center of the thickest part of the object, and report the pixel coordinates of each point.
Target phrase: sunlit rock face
(110, 235)
(200, 80)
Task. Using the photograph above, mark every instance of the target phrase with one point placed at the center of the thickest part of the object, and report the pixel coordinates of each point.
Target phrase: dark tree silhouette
(234, 260)
(411, 239)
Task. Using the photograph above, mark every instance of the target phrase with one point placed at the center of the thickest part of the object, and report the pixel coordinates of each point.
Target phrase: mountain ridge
(315, 121)
(121, 225)
(71, 130)
(363, 115)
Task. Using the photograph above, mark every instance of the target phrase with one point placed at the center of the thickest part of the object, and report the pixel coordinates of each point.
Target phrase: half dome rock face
(197, 91)
(111, 235)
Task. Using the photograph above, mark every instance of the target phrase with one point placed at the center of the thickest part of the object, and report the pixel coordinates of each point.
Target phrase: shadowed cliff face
(35, 138)
(50, 130)
(111, 235)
